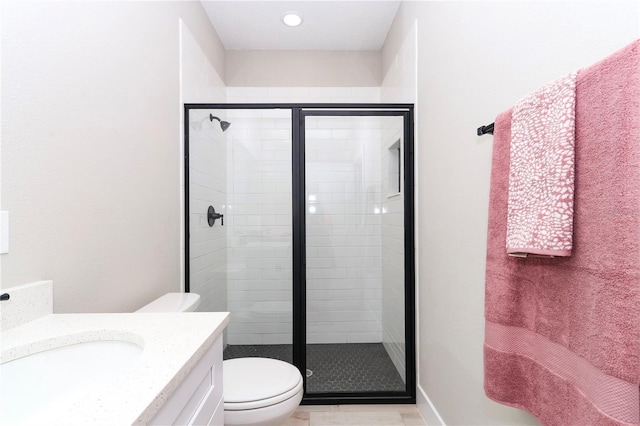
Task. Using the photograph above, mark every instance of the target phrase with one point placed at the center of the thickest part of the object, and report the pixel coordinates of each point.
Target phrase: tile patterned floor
(352, 367)
(356, 415)
(281, 352)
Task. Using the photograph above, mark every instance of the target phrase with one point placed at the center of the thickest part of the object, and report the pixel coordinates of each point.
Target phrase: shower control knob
(212, 216)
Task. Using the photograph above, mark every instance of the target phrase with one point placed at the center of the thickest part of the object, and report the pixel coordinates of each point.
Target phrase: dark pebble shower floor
(344, 367)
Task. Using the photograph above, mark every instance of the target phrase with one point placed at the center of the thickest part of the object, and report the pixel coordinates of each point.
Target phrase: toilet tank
(173, 302)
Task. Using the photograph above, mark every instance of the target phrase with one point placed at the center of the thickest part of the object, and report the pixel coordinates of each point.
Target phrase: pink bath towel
(562, 337)
(541, 171)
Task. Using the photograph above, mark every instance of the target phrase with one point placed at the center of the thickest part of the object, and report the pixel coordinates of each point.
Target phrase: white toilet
(260, 391)
(257, 391)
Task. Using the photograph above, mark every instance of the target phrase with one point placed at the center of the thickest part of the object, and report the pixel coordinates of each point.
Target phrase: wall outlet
(4, 232)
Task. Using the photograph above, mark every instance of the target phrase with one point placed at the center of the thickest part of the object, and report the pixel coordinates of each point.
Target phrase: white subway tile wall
(260, 241)
(259, 227)
(344, 240)
(393, 248)
(207, 187)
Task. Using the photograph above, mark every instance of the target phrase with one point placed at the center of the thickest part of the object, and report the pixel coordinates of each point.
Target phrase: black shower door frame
(299, 291)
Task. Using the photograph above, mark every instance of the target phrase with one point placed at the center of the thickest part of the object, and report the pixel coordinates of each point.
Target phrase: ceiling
(327, 25)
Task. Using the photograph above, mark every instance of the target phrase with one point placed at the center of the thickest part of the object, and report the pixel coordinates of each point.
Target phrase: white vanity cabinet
(173, 381)
(198, 399)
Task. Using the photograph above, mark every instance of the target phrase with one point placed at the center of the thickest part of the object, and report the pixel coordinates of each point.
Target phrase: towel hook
(482, 130)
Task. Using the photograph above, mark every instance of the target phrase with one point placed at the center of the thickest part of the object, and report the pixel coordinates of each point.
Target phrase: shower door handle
(212, 216)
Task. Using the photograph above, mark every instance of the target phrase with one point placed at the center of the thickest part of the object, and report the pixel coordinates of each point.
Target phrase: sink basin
(33, 383)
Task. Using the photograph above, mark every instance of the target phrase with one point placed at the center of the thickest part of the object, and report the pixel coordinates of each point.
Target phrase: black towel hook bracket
(483, 130)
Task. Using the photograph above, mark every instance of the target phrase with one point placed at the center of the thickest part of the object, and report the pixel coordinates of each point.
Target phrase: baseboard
(427, 410)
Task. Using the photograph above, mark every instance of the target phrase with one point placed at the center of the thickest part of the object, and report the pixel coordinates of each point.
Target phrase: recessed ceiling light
(292, 19)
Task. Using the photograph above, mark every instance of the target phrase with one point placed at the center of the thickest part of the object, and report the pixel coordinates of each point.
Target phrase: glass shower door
(355, 252)
(243, 262)
(312, 248)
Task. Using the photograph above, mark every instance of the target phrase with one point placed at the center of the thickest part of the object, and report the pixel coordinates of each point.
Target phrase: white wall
(399, 58)
(303, 94)
(90, 131)
(476, 59)
(296, 68)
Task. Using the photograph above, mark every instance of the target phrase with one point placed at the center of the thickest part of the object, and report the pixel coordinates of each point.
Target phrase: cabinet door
(197, 397)
(213, 397)
(218, 415)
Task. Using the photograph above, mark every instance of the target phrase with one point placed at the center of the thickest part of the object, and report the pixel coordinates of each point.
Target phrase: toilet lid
(258, 382)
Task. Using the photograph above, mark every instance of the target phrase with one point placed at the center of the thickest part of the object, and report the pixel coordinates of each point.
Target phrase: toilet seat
(252, 383)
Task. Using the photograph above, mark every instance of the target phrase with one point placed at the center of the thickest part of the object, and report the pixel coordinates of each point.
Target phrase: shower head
(224, 125)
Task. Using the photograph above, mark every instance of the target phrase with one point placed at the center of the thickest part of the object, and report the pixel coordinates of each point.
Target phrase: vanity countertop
(173, 344)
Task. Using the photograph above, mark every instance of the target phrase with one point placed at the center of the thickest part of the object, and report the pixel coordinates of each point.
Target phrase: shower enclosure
(311, 249)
